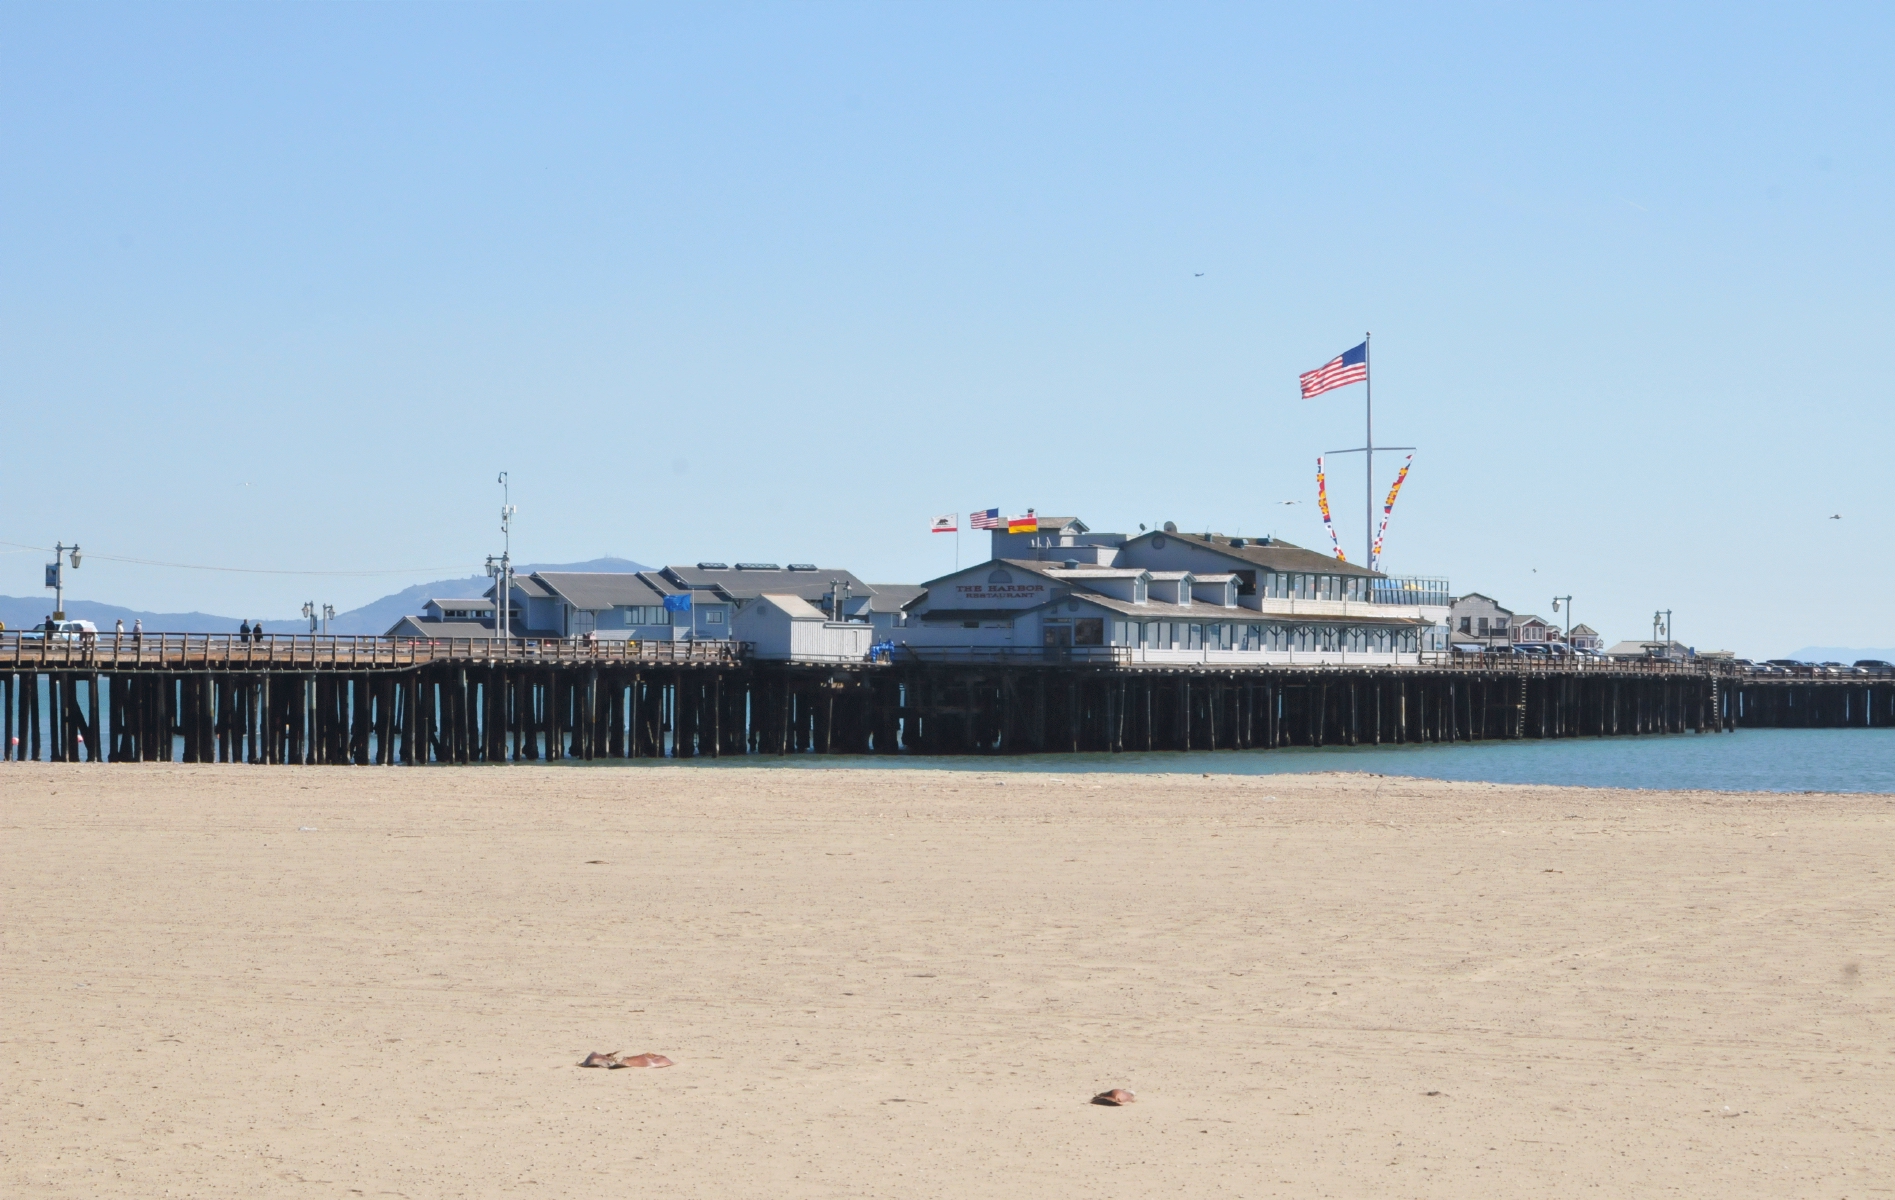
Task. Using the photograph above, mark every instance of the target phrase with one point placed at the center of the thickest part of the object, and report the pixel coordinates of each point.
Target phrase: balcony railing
(1410, 590)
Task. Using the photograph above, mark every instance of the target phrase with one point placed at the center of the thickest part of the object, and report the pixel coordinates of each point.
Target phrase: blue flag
(678, 603)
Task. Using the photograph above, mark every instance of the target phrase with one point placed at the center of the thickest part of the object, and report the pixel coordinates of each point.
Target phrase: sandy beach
(223, 981)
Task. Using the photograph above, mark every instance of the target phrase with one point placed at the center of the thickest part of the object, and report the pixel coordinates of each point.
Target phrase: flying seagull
(1198, 275)
(1837, 517)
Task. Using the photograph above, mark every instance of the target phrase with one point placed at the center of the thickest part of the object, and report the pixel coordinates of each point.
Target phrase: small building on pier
(785, 628)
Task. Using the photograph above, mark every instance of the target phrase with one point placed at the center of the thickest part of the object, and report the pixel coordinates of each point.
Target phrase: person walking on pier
(243, 633)
(138, 630)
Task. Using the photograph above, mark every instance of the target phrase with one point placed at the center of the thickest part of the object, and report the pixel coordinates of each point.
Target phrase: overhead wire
(152, 562)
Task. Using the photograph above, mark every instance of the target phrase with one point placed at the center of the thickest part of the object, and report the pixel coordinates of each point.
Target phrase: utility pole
(503, 571)
(56, 576)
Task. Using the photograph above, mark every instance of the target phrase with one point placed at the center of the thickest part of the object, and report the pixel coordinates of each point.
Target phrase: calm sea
(1751, 760)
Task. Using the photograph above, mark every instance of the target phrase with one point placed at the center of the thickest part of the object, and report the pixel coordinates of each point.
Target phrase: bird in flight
(1197, 275)
(1837, 517)
(1289, 502)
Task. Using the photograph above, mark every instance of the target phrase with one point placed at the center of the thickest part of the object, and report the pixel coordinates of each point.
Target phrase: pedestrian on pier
(119, 630)
(138, 630)
(243, 632)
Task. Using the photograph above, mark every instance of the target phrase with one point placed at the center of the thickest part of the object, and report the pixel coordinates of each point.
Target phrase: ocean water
(1750, 760)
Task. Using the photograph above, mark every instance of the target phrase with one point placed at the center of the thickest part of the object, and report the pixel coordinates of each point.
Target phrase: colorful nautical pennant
(1388, 507)
(1322, 502)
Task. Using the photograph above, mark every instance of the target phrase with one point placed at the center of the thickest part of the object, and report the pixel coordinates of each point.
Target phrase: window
(1465, 622)
(1246, 583)
(999, 578)
(1089, 631)
(645, 614)
(1483, 625)
(713, 616)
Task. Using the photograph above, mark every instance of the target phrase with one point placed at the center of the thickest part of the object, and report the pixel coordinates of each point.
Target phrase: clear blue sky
(285, 286)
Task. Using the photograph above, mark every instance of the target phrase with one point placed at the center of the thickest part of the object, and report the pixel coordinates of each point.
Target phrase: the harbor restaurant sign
(999, 590)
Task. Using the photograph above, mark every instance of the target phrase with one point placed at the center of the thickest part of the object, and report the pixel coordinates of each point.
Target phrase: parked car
(1836, 668)
(1791, 666)
(1875, 666)
(63, 631)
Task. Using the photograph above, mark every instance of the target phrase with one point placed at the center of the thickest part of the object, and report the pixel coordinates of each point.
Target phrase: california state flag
(948, 524)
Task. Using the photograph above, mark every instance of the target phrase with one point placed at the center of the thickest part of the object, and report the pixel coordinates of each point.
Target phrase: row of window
(1183, 635)
(1315, 587)
(657, 614)
(1498, 626)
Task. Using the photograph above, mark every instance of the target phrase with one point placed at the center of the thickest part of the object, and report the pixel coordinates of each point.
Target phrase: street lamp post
(56, 576)
(328, 614)
(309, 610)
(1569, 617)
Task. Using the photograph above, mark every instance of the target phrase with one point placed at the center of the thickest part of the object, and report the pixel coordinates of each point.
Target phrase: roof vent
(1072, 564)
(1263, 541)
(713, 566)
(803, 567)
(1238, 543)
(758, 567)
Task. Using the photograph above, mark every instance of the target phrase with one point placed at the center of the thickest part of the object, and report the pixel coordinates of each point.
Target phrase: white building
(1170, 597)
(783, 627)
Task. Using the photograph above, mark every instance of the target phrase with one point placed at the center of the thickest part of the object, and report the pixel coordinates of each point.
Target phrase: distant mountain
(1838, 654)
(375, 617)
(20, 612)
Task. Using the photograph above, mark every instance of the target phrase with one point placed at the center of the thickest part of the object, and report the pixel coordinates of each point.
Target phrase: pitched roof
(890, 597)
(524, 588)
(748, 585)
(798, 608)
(422, 627)
(592, 591)
(1271, 554)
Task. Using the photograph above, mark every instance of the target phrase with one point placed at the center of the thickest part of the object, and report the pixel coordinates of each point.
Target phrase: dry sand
(355, 981)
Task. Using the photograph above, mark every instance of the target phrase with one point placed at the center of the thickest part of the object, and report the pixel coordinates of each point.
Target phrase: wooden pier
(197, 698)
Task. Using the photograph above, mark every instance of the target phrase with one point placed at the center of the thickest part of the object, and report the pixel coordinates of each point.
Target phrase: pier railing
(234, 652)
(1206, 658)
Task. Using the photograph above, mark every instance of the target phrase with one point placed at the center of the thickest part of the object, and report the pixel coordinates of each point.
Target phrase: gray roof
(422, 627)
(748, 585)
(890, 597)
(461, 602)
(1274, 555)
(524, 588)
(593, 591)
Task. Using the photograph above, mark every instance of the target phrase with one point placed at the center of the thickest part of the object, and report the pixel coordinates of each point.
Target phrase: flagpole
(1368, 476)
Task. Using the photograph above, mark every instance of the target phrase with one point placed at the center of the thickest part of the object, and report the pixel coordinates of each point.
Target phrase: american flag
(1351, 366)
(989, 519)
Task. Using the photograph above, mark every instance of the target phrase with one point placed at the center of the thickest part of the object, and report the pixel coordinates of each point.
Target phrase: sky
(284, 287)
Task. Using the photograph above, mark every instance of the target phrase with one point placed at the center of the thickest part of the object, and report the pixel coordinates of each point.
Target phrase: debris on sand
(596, 1059)
(1114, 1098)
(644, 1060)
